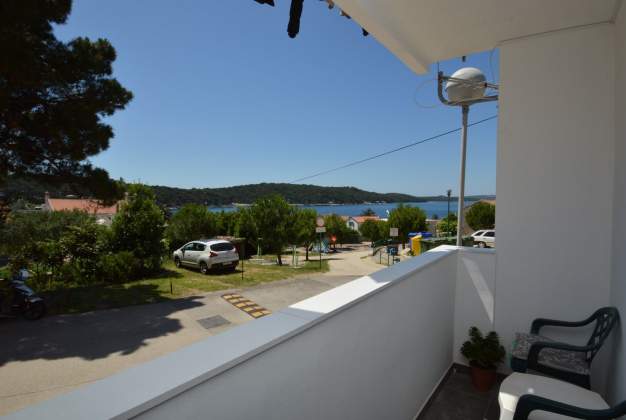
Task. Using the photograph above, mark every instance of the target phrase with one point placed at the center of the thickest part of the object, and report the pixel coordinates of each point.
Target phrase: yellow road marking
(246, 305)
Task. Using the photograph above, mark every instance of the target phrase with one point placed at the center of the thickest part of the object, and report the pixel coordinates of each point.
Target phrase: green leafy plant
(483, 351)
(481, 215)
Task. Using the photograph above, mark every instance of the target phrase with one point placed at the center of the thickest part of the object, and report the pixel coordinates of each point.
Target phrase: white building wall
(474, 301)
(554, 177)
(617, 379)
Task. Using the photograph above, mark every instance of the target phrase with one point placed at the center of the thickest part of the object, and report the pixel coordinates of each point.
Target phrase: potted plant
(484, 354)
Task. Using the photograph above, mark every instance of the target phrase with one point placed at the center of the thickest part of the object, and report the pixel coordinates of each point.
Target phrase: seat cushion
(571, 361)
(518, 384)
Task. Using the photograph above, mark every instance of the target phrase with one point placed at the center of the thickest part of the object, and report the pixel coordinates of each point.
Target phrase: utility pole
(449, 193)
(459, 224)
(465, 87)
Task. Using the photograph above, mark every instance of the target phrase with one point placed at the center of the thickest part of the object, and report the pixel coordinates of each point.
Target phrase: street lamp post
(449, 193)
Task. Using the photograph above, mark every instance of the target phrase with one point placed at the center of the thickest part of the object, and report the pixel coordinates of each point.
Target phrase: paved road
(39, 360)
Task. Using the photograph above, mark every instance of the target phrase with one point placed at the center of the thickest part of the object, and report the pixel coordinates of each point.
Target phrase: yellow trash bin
(416, 244)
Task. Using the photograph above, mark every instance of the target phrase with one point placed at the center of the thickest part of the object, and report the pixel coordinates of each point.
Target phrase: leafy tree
(407, 219)
(191, 222)
(272, 216)
(368, 212)
(481, 215)
(245, 226)
(383, 227)
(448, 225)
(33, 240)
(138, 228)
(23, 230)
(337, 229)
(81, 246)
(54, 97)
(227, 222)
(303, 228)
(372, 230)
(335, 226)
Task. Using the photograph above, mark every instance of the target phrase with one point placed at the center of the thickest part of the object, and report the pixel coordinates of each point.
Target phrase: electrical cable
(388, 152)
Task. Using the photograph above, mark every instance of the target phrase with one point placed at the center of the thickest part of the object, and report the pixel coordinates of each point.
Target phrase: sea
(431, 208)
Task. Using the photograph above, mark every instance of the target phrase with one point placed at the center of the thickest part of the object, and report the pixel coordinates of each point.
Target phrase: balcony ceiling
(421, 32)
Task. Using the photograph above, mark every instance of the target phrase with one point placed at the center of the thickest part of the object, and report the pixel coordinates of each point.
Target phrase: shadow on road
(90, 335)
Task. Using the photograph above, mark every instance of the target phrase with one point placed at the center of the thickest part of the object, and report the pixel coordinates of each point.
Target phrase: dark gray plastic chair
(564, 361)
(529, 403)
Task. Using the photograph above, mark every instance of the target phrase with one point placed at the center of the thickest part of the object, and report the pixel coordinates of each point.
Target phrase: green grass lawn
(184, 282)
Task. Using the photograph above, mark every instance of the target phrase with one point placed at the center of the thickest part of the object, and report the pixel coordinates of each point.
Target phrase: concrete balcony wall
(475, 291)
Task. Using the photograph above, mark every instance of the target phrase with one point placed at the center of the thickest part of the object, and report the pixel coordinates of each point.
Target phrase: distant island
(294, 193)
(33, 192)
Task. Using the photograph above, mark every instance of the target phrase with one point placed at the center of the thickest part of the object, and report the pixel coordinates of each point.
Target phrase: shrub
(138, 228)
(191, 222)
(407, 219)
(481, 215)
(119, 267)
(483, 351)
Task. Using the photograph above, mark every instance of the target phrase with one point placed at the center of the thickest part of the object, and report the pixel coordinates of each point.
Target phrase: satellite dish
(466, 84)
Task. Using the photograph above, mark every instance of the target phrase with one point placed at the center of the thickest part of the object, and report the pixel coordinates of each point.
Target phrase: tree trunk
(280, 260)
(307, 252)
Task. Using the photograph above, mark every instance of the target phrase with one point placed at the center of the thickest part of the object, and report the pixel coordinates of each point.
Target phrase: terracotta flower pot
(483, 379)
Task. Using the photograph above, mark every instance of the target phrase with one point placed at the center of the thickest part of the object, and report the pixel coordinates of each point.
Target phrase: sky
(222, 96)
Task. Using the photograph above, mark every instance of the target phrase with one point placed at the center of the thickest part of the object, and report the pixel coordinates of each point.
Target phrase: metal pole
(459, 228)
(449, 192)
(320, 251)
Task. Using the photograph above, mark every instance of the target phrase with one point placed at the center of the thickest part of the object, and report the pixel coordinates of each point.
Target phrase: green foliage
(447, 225)
(483, 351)
(481, 215)
(81, 247)
(245, 226)
(293, 193)
(336, 228)
(226, 222)
(407, 219)
(34, 237)
(138, 228)
(54, 96)
(119, 267)
(302, 230)
(371, 230)
(191, 222)
(272, 216)
(368, 212)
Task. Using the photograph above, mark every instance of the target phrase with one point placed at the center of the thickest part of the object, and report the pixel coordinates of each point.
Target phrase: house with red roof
(355, 222)
(103, 214)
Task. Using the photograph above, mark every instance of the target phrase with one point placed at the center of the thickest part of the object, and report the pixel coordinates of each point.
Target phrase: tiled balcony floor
(457, 399)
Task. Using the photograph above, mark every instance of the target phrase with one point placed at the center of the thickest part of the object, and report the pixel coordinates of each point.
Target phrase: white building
(377, 347)
(355, 222)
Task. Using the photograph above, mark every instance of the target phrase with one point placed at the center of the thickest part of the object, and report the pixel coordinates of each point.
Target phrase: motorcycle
(23, 301)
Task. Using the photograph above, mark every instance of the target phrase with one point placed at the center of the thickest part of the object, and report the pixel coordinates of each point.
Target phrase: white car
(484, 238)
(207, 254)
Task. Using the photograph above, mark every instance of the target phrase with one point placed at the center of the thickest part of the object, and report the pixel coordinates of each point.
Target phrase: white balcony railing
(373, 348)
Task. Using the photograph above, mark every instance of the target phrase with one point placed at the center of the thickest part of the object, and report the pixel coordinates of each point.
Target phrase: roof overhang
(422, 32)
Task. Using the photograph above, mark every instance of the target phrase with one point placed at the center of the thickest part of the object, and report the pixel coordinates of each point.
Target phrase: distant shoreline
(452, 199)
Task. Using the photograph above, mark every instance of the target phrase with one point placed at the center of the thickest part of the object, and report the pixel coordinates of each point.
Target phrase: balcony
(376, 347)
